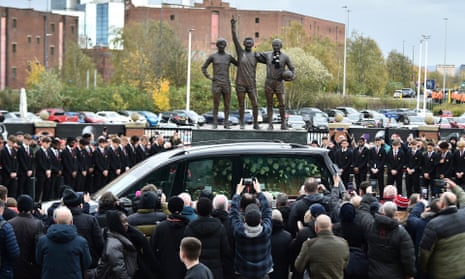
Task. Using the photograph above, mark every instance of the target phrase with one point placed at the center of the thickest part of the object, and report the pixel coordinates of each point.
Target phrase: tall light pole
(345, 53)
(444, 66)
(419, 77)
(188, 85)
(425, 38)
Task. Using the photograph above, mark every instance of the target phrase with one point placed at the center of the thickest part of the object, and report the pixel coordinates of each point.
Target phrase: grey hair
(388, 209)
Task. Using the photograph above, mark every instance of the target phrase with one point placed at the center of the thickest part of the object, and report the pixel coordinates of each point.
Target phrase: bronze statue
(245, 78)
(276, 73)
(221, 85)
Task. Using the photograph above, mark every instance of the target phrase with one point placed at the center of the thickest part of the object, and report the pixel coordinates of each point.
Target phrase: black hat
(317, 209)
(175, 205)
(25, 203)
(253, 216)
(204, 206)
(148, 200)
(347, 213)
(71, 198)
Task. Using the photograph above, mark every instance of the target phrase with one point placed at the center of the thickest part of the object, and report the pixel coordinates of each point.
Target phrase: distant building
(211, 20)
(28, 36)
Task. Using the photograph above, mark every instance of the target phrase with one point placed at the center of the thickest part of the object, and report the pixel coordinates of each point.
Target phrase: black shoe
(256, 127)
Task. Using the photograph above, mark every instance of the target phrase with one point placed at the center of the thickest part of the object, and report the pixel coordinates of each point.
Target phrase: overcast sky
(393, 24)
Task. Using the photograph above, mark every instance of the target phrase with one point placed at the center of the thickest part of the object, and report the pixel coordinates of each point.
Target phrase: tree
(312, 76)
(147, 58)
(160, 95)
(399, 68)
(47, 91)
(76, 66)
(366, 72)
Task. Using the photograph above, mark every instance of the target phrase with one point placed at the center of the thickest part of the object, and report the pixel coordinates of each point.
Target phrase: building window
(52, 27)
(13, 47)
(29, 39)
(257, 20)
(215, 27)
(257, 35)
(38, 40)
(102, 25)
(52, 50)
(14, 22)
(172, 17)
(13, 73)
(72, 29)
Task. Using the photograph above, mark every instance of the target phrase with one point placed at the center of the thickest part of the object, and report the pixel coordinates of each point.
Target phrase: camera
(248, 183)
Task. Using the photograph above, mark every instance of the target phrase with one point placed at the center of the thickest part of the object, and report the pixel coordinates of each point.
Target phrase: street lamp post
(188, 85)
(425, 38)
(345, 53)
(419, 78)
(444, 66)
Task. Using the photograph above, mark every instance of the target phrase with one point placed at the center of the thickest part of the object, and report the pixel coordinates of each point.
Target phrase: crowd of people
(367, 231)
(41, 166)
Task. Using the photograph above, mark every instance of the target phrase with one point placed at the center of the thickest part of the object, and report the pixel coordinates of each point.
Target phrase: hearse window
(213, 174)
(284, 173)
(163, 178)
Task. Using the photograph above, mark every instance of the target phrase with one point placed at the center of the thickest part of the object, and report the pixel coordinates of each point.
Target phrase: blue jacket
(62, 253)
(189, 213)
(9, 250)
(253, 250)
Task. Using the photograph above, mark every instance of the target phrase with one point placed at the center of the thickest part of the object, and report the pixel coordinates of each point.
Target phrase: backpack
(3, 222)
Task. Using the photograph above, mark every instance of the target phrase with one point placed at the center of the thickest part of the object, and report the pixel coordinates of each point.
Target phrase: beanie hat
(401, 202)
(25, 203)
(71, 198)
(204, 206)
(175, 205)
(148, 200)
(253, 216)
(347, 213)
(317, 209)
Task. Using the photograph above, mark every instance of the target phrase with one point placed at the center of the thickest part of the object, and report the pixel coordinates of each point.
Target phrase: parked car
(295, 121)
(348, 110)
(276, 116)
(209, 118)
(332, 114)
(308, 112)
(193, 117)
(90, 117)
(150, 117)
(113, 117)
(405, 93)
(279, 167)
(30, 117)
(129, 114)
(414, 121)
(318, 122)
(58, 115)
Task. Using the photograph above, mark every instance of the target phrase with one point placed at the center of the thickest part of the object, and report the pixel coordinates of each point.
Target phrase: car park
(130, 114)
(90, 117)
(279, 167)
(29, 117)
(348, 110)
(404, 93)
(318, 122)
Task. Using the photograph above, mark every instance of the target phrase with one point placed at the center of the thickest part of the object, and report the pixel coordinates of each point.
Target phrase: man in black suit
(428, 166)
(43, 169)
(70, 163)
(360, 161)
(56, 182)
(459, 163)
(9, 162)
(25, 166)
(101, 164)
(377, 162)
(395, 162)
(413, 171)
(343, 159)
(443, 167)
(157, 145)
(131, 151)
(114, 159)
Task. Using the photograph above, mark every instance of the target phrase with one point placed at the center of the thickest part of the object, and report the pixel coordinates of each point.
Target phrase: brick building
(211, 20)
(29, 36)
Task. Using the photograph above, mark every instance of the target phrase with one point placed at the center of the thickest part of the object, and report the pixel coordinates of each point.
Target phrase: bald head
(323, 223)
(448, 199)
(355, 201)
(62, 215)
(186, 198)
(220, 202)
